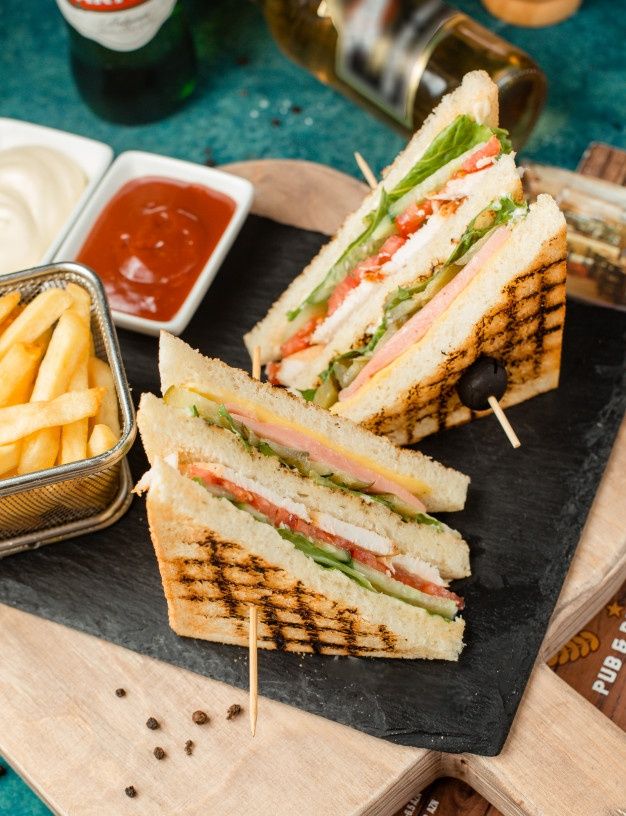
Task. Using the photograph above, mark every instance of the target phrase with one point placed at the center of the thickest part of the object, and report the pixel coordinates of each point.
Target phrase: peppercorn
(152, 724)
(233, 711)
(159, 752)
(120, 692)
(130, 791)
(200, 717)
(189, 747)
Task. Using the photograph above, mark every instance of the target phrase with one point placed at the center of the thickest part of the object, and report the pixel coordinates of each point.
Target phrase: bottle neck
(118, 25)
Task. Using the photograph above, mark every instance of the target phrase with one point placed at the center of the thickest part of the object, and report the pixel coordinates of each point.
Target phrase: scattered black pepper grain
(120, 692)
(130, 791)
(159, 752)
(296, 109)
(242, 60)
(152, 724)
(233, 711)
(3, 770)
(276, 122)
(200, 717)
(189, 747)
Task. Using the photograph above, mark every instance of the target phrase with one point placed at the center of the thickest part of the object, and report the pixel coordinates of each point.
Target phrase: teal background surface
(244, 109)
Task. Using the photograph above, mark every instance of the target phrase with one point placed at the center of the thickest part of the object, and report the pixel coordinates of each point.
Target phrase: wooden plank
(79, 746)
(563, 756)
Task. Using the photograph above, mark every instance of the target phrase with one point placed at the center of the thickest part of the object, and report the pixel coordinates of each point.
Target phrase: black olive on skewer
(483, 379)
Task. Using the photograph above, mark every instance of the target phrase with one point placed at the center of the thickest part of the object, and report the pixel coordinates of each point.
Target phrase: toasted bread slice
(512, 310)
(438, 487)
(215, 560)
(166, 431)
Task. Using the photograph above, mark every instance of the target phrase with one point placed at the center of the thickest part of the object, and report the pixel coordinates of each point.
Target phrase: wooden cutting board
(80, 746)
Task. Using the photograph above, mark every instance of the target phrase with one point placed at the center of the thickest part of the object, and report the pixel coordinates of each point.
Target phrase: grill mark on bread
(291, 617)
(501, 333)
(307, 616)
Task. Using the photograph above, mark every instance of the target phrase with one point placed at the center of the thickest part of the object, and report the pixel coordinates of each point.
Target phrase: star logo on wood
(614, 610)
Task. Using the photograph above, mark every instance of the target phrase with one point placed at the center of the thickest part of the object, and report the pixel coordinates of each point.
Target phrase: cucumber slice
(389, 586)
(194, 403)
(327, 394)
(324, 559)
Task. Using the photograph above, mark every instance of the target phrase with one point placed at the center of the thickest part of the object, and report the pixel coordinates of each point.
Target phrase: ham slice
(318, 452)
(415, 328)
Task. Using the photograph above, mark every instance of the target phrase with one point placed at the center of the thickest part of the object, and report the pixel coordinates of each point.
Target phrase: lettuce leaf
(459, 137)
(359, 249)
(323, 558)
(229, 423)
(503, 210)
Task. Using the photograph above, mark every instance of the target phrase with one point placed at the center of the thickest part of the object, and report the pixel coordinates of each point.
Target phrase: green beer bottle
(133, 61)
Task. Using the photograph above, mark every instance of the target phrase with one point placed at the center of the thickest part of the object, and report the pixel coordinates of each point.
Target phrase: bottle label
(121, 25)
(383, 47)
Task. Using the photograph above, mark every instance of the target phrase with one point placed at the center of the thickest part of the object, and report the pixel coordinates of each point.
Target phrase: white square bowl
(93, 157)
(135, 164)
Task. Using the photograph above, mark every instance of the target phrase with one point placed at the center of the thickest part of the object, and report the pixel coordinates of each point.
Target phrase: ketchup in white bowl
(152, 240)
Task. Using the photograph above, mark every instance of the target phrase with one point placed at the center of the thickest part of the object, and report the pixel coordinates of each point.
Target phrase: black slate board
(524, 515)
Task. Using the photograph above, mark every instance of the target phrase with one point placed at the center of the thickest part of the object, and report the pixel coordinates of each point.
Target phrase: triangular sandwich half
(456, 163)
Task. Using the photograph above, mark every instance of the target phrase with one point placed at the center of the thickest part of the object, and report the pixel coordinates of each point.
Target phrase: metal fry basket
(83, 496)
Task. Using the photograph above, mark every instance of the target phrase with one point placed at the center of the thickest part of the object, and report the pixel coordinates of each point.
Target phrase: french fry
(81, 301)
(74, 436)
(17, 372)
(101, 440)
(8, 303)
(40, 313)
(9, 457)
(100, 376)
(67, 346)
(18, 421)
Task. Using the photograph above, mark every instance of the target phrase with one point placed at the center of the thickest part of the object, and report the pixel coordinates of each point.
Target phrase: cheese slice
(415, 486)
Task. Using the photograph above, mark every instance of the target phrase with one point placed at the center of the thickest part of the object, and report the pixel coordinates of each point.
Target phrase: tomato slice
(389, 248)
(413, 217)
(343, 289)
(492, 148)
(279, 516)
(272, 370)
(301, 339)
(427, 586)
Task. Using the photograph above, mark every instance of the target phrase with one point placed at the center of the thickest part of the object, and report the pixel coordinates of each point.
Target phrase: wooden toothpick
(253, 668)
(253, 677)
(256, 362)
(506, 425)
(364, 167)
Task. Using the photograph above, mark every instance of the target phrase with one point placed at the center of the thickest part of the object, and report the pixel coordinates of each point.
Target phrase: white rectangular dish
(92, 156)
(136, 164)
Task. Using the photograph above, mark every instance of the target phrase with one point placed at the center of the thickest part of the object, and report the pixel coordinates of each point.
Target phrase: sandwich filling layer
(409, 312)
(405, 219)
(306, 451)
(372, 560)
